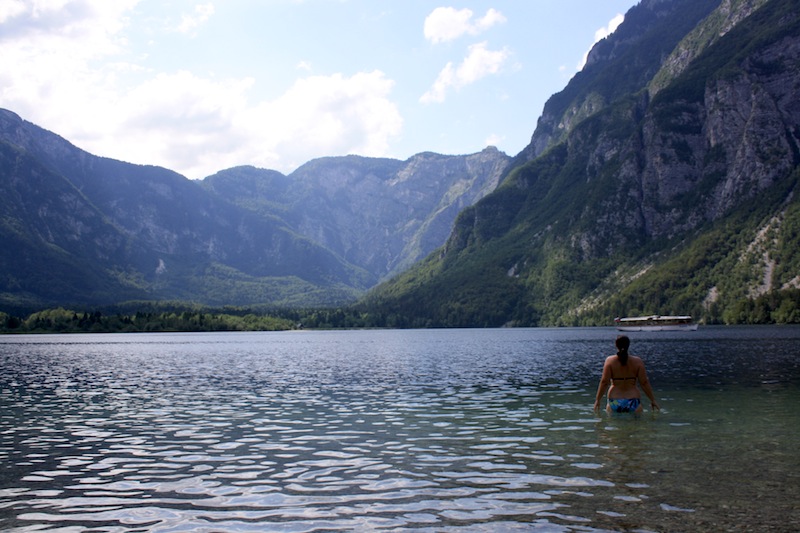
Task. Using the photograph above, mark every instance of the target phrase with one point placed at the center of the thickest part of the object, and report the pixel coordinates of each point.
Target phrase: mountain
(380, 214)
(77, 229)
(661, 180)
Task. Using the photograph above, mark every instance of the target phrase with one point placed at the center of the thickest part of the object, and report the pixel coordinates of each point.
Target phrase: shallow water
(435, 430)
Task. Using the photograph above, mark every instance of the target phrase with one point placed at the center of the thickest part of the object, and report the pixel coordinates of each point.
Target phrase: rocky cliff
(379, 214)
(649, 182)
(619, 64)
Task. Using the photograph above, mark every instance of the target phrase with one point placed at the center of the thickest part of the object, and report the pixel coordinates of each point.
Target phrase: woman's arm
(605, 381)
(648, 390)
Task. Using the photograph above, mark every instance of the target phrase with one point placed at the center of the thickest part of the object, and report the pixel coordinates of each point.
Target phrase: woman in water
(622, 371)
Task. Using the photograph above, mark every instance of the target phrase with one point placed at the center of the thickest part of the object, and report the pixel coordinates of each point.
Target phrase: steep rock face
(387, 221)
(619, 64)
(379, 214)
(720, 22)
(759, 108)
(63, 217)
(706, 144)
(738, 140)
(474, 177)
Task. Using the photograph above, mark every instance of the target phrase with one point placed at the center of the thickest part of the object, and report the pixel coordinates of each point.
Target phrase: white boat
(655, 323)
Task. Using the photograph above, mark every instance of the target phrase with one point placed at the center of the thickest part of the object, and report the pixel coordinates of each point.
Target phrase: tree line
(62, 320)
(192, 319)
(777, 307)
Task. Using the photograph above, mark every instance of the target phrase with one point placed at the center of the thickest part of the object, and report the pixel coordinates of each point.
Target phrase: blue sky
(199, 86)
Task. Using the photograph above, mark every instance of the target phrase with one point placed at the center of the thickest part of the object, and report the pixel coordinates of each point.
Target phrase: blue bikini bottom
(624, 405)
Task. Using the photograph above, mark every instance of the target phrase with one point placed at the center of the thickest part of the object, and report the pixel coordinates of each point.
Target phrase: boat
(655, 323)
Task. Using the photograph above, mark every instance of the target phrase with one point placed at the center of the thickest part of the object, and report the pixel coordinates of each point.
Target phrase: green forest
(62, 320)
(778, 307)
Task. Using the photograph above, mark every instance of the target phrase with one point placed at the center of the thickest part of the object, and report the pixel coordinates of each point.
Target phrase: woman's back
(624, 377)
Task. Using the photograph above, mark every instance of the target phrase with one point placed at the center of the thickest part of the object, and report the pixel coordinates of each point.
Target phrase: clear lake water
(419, 430)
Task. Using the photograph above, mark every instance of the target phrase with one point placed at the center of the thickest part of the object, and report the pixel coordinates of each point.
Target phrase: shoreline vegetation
(169, 317)
(62, 320)
(140, 317)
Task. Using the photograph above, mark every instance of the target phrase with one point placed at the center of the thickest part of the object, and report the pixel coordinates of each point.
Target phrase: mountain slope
(126, 231)
(46, 257)
(637, 193)
(114, 231)
(379, 214)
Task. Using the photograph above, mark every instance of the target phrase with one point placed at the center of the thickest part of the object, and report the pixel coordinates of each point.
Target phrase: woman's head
(623, 343)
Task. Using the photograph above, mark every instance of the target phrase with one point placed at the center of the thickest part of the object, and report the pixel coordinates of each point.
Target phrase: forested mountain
(81, 230)
(661, 180)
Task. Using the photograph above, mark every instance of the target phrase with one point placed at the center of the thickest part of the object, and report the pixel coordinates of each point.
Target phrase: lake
(424, 430)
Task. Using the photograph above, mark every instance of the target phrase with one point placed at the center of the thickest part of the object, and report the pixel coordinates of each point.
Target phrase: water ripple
(163, 434)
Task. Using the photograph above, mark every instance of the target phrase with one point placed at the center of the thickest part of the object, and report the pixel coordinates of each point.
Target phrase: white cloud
(64, 68)
(201, 126)
(613, 24)
(58, 22)
(324, 115)
(447, 24)
(601, 34)
(198, 126)
(11, 8)
(48, 54)
(180, 121)
(494, 140)
(479, 63)
(201, 14)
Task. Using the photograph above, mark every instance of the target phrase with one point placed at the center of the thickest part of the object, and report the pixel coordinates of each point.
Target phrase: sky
(199, 86)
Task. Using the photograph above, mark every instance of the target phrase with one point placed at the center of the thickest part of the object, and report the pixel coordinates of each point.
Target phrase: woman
(622, 371)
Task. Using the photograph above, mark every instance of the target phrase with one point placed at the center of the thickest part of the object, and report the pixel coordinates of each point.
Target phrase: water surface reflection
(426, 430)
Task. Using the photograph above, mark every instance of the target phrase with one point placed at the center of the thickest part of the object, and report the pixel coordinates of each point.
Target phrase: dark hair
(623, 343)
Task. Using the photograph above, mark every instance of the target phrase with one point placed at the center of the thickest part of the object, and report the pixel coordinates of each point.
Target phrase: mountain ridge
(631, 194)
(382, 214)
(144, 232)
